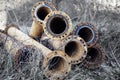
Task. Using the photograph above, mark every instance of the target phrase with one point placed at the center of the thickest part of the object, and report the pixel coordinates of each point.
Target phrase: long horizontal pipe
(47, 54)
(39, 11)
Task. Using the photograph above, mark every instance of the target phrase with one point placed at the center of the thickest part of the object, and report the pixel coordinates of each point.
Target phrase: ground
(104, 14)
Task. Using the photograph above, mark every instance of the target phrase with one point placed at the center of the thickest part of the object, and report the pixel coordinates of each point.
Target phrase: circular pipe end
(88, 32)
(9, 26)
(76, 48)
(57, 25)
(56, 65)
(41, 9)
(26, 55)
(95, 57)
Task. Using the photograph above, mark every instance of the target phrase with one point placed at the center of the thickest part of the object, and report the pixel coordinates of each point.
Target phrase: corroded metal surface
(57, 25)
(95, 57)
(52, 37)
(88, 32)
(76, 48)
(39, 11)
(58, 65)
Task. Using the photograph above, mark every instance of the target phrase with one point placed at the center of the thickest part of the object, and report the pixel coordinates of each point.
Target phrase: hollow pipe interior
(57, 25)
(42, 12)
(86, 32)
(92, 55)
(56, 63)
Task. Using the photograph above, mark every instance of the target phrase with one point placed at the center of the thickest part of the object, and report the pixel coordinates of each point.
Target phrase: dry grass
(104, 17)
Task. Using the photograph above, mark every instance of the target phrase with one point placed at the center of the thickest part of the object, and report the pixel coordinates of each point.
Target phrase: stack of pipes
(63, 47)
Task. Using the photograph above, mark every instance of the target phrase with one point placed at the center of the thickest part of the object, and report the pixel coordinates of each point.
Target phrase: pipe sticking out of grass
(39, 11)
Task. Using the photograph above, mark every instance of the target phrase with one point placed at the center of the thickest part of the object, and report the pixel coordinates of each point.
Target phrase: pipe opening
(73, 49)
(57, 25)
(92, 55)
(86, 34)
(56, 64)
(43, 12)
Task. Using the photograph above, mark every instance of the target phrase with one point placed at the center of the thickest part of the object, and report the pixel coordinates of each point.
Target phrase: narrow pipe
(56, 44)
(88, 32)
(76, 48)
(57, 25)
(47, 54)
(95, 57)
(39, 11)
(51, 43)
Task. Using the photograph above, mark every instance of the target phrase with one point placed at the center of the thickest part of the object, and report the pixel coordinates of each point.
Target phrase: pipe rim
(62, 16)
(54, 74)
(85, 26)
(92, 28)
(80, 55)
(96, 62)
(39, 5)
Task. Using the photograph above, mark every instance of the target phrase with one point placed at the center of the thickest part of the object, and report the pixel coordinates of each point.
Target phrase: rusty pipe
(74, 46)
(39, 11)
(57, 65)
(88, 32)
(47, 54)
(57, 25)
(95, 57)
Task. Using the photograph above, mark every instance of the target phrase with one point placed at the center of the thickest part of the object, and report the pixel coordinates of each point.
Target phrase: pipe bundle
(58, 46)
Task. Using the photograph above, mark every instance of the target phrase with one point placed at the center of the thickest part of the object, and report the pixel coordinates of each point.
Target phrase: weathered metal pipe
(47, 54)
(57, 25)
(76, 48)
(88, 32)
(95, 57)
(58, 65)
(39, 11)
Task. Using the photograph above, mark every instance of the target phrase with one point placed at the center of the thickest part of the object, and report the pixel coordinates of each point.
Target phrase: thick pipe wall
(39, 11)
(75, 47)
(88, 32)
(57, 25)
(95, 57)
